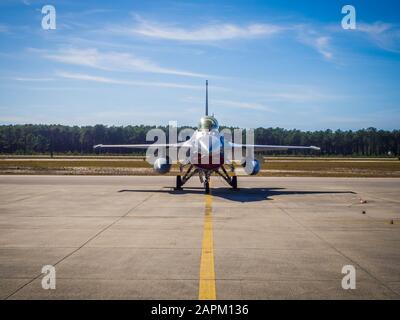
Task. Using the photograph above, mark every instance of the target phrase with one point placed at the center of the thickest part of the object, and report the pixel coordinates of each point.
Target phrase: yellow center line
(207, 274)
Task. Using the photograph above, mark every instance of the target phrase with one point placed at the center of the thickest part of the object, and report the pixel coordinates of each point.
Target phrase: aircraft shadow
(239, 195)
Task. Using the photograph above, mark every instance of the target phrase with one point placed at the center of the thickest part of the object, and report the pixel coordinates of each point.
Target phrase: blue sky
(269, 63)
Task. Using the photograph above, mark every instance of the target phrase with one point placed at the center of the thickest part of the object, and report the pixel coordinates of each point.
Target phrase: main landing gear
(205, 178)
(232, 181)
(181, 180)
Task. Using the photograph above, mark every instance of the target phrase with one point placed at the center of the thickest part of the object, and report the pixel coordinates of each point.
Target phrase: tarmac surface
(133, 237)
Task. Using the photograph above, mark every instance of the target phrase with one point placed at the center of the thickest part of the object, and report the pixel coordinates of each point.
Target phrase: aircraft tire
(178, 182)
(207, 187)
(234, 182)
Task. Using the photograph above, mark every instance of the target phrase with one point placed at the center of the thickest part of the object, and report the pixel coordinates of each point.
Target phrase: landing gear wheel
(178, 183)
(234, 182)
(207, 187)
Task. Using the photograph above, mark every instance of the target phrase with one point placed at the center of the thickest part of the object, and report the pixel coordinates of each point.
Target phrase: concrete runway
(135, 238)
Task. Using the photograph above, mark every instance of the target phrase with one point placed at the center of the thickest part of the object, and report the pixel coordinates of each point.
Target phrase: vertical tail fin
(206, 97)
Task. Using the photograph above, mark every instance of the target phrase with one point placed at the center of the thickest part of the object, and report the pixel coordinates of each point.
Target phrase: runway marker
(207, 274)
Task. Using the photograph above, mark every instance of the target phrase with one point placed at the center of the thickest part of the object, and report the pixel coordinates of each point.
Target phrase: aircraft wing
(144, 146)
(261, 147)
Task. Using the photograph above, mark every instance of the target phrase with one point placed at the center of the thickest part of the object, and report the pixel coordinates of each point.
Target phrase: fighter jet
(207, 149)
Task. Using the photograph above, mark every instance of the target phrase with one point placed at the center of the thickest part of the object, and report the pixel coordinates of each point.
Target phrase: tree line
(46, 139)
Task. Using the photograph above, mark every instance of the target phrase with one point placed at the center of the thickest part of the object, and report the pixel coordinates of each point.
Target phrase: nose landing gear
(207, 187)
(207, 176)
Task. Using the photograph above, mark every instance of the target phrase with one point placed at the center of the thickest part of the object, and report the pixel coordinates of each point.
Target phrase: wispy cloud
(375, 28)
(384, 35)
(87, 77)
(321, 43)
(112, 61)
(28, 79)
(241, 105)
(209, 32)
(213, 32)
(303, 96)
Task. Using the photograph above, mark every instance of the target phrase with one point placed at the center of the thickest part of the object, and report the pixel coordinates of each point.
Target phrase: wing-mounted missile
(162, 165)
(251, 166)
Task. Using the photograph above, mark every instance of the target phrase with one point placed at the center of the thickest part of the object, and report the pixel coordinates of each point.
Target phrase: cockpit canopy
(208, 123)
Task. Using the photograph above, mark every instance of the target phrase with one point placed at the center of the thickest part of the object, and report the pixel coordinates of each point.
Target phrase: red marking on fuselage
(210, 165)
